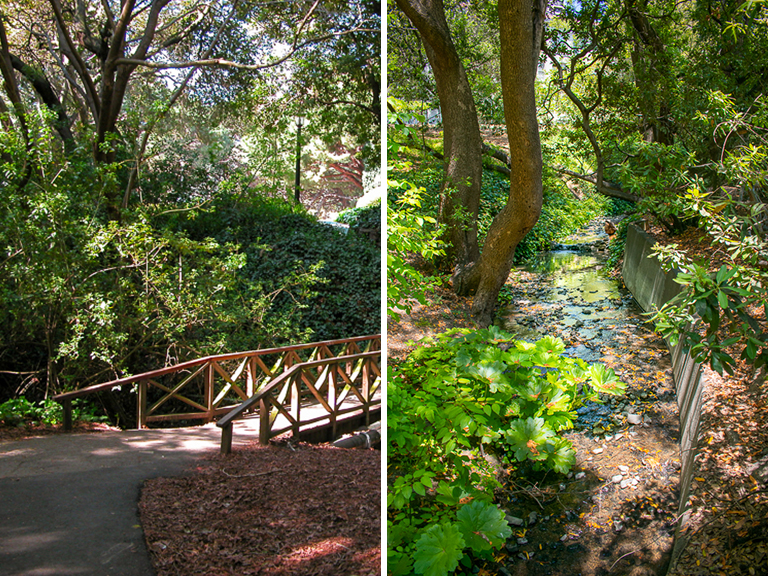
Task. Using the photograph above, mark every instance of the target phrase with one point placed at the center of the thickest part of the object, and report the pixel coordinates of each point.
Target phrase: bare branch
(223, 63)
(108, 12)
(607, 188)
(176, 95)
(42, 35)
(9, 79)
(44, 89)
(70, 51)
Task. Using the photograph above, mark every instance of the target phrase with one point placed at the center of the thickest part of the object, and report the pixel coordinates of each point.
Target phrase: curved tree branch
(43, 87)
(70, 51)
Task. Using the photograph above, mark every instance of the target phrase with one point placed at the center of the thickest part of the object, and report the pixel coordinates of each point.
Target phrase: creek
(615, 512)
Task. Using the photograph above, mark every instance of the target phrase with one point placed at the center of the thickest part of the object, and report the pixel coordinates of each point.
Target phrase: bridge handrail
(66, 398)
(291, 377)
(227, 419)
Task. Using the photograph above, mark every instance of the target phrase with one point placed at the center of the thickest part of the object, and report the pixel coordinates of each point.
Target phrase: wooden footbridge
(294, 388)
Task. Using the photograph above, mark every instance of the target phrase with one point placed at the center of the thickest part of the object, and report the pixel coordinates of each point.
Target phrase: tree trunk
(462, 143)
(521, 25)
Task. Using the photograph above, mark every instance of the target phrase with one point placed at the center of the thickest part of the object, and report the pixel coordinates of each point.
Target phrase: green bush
(18, 411)
(408, 232)
(363, 217)
(619, 241)
(299, 281)
(451, 401)
(562, 213)
(719, 310)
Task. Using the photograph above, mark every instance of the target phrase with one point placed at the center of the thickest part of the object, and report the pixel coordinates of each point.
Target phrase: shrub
(17, 411)
(363, 217)
(409, 232)
(300, 280)
(462, 395)
(562, 213)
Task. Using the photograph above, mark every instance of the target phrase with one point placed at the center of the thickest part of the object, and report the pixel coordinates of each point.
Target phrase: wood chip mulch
(283, 509)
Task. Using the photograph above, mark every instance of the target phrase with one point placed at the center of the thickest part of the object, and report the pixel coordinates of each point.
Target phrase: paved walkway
(68, 503)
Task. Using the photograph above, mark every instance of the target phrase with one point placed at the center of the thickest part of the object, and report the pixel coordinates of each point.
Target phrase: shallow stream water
(614, 513)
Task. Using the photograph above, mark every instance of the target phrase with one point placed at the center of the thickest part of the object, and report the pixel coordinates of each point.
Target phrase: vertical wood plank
(250, 381)
(66, 405)
(141, 412)
(367, 390)
(295, 404)
(226, 439)
(209, 373)
(264, 427)
(333, 396)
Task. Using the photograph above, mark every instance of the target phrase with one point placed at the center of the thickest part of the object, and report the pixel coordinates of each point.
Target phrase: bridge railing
(340, 386)
(214, 385)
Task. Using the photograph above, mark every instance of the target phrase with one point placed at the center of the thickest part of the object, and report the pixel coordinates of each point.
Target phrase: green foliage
(84, 298)
(454, 399)
(475, 36)
(439, 550)
(657, 173)
(363, 217)
(299, 280)
(483, 526)
(409, 233)
(412, 230)
(619, 241)
(17, 411)
(719, 309)
(562, 213)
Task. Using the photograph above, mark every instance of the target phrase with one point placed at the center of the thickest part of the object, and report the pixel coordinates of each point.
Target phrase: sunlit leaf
(438, 550)
(483, 525)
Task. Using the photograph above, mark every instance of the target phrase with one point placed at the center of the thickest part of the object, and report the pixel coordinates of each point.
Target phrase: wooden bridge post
(296, 405)
(209, 392)
(264, 426)
(332, 398)
(367, 373)
(250, 377)
(141, 411)
(226, 439)
(66, 405)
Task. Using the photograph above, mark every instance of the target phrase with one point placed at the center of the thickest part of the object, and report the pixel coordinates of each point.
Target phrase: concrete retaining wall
(652, 287)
